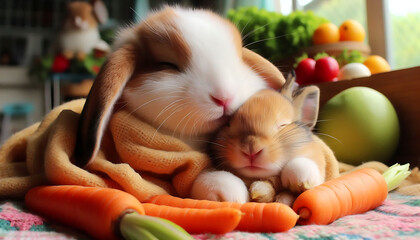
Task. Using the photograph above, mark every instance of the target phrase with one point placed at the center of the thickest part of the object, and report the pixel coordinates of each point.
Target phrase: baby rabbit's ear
(264, 68)
(289, 86)
(306, 105)
(106, 90)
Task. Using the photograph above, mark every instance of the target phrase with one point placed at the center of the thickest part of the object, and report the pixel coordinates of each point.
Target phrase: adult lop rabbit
(180, 70)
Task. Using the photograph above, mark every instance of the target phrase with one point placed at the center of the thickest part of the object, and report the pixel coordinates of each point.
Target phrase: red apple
(326, 69)
(305, 71)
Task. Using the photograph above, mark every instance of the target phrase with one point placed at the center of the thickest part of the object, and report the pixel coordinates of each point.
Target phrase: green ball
(359, 124)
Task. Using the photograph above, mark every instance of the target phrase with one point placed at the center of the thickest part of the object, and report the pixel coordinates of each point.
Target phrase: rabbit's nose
(223, 102)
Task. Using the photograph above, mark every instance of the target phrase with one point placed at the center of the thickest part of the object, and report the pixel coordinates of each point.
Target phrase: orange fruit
(376, 64)
(352, 30)
(326, 33)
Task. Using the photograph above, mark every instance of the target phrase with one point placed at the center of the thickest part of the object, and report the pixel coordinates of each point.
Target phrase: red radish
(326, 69)
(305, 71)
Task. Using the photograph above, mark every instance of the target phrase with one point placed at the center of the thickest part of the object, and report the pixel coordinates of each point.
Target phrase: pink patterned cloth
(21, 220)
(397, 218)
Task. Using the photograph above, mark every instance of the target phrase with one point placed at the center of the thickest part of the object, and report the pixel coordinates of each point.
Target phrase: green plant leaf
(273, 35)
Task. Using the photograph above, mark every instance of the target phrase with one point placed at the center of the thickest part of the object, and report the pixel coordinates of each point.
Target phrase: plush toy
(80, 33)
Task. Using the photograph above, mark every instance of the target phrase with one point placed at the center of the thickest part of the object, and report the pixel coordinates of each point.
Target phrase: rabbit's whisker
(327, 135)
(194, 128)
(148, 102)
(211, 142)
(168, 107)
(179, 122)
(255, 30)
(263, 40)
(188, 120)
(166, 119)
(242, 30)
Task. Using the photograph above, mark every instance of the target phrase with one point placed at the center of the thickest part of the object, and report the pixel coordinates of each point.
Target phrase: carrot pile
(257, 217)
(107, 213)
(356, 192)
(103, 213)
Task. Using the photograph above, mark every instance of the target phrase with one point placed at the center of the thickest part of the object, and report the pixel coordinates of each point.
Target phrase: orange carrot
(193, 220)
(353, 193)
(257, 217)
(104, 213)
(93, 210)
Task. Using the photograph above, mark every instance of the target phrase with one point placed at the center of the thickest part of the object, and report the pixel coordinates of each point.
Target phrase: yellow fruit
(351, 30)
(326, 33)
(377, 64)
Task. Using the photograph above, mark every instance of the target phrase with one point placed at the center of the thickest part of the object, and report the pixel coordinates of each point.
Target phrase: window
(394, 32)
(337, 11)
(404, 19)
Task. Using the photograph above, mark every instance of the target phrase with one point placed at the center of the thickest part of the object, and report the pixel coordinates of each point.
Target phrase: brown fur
(273, 122)
(162, 38)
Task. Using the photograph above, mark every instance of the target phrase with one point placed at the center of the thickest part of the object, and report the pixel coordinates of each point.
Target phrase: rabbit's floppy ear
(106, 90)
(264, 68)
(306, 105)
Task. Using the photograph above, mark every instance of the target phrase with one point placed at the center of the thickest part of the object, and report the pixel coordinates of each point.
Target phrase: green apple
(359, 124)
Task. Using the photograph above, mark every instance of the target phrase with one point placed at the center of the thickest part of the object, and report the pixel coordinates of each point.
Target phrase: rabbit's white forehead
(207, 35)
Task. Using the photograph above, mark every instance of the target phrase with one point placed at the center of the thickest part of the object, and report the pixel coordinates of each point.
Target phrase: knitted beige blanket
(133, 157)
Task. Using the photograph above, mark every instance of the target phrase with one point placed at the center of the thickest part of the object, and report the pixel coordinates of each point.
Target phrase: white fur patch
(219, 186)
(300, 174)
(216, 67)
(285, 198)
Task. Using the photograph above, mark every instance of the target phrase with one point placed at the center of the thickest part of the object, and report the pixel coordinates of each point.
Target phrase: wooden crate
(402, 88)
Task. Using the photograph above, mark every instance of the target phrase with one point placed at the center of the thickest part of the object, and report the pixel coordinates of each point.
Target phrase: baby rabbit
(270, 138)
(182, 71)
(80, 34)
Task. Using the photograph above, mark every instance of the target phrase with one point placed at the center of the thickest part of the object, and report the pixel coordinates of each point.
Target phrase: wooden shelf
(334, 49)
(402, 88)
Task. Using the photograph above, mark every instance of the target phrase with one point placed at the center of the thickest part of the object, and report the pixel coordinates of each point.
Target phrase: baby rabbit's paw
(300, 174)
(219, 186)
(286, 198)
(262, 191)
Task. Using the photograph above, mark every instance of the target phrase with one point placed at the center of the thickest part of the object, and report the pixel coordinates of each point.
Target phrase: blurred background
(34, 75)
